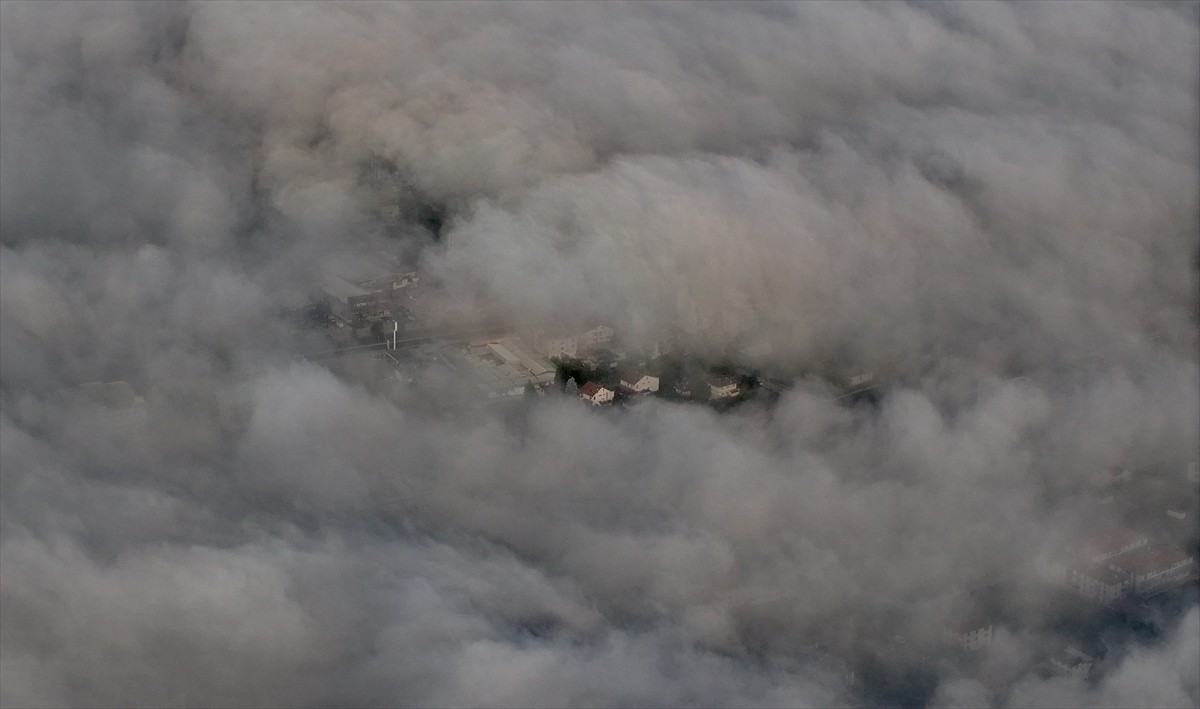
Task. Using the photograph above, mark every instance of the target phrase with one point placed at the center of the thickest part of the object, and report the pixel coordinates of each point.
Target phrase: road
(411, 340)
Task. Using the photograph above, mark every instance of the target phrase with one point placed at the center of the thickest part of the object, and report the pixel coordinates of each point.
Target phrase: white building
(971, 640)
(1072, 662)
(1116, 563)
(639, 382)
(1098, 582)
(860, 378)
(970, 632)
(1155, 568)
(557, 346)
(1094, 581)
(722, 388)
(659, 346)
(503, 367)
(599, 335)
(596, 394)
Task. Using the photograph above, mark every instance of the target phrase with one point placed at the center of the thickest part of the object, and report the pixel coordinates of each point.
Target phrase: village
(1111, 552)
(378, 320)
(1121, 560)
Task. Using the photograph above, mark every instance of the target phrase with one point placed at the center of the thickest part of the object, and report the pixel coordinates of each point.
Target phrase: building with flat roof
(375, 294)
(350, 301)
(1155, 568)
(557, 346)
(1072, 662)
(1113, 541)
(503, 367)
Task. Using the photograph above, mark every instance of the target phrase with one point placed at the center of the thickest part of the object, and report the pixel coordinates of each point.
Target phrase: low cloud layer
(992, 206)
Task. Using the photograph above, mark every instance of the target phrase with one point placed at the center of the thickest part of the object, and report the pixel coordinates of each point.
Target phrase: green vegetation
(582, 373)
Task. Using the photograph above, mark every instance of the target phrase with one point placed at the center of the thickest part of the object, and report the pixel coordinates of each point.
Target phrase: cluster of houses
(633, 383)
(1114, 562)
(636, 384)
(1135, 539)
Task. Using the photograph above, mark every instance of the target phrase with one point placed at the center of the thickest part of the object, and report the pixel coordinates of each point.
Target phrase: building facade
(599, 335)
(1155, 568)
(557, 347)
(722, 388)
(639, 382)
(596, 394)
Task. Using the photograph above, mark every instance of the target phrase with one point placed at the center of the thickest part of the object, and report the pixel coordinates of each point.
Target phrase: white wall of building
(603, 396)
(645, 382)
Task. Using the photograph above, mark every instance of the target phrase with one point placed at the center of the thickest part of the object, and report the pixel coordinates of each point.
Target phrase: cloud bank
(993, 206)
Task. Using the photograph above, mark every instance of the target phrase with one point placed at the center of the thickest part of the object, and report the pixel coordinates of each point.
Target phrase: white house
(596, 394)
(639, 382)
(722, 388)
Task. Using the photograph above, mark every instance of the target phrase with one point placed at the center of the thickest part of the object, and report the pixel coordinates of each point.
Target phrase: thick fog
(994, 207)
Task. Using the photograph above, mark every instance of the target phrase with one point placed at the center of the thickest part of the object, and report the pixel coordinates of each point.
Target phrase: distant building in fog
(503, 367)
(372, 295)
(557, 347)
(571, 346)
(1072, 662)
(1112, 542)
(1154, 568)
(967, 626)
(1115, 563)
(599, 335)
(1097, 582)
(350, 301)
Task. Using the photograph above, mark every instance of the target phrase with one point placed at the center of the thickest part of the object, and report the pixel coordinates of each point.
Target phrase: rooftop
(507, 364)
(1113, 540)
(1150, 559)
(342, 288)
